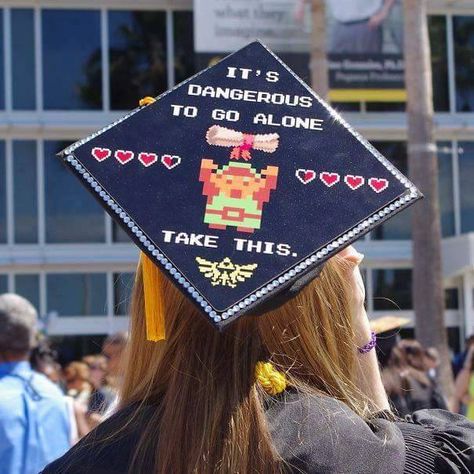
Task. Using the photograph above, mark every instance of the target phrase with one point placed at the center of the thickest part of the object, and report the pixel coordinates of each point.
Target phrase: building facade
(69, 67)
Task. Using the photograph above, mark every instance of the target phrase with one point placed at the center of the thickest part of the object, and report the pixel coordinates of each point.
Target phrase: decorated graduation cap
(237, 184)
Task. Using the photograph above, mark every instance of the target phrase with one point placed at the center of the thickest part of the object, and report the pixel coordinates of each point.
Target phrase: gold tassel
(154, 299)
(146, 101)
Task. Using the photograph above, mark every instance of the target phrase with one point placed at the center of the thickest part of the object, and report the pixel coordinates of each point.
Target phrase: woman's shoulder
(439, 440)
(108, 449)
(321, 434)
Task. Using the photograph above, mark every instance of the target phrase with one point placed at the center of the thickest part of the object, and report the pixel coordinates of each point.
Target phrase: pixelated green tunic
(238, 212)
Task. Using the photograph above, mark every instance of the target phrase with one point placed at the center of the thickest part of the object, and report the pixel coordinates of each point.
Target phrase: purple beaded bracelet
(370, 345)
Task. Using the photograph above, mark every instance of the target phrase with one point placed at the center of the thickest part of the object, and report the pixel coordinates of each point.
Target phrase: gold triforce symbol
(225, 272)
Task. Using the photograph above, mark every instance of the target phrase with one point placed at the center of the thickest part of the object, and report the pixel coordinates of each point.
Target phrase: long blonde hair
(210, 415)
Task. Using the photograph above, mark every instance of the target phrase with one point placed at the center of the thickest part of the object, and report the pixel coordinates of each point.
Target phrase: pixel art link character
(236, 194)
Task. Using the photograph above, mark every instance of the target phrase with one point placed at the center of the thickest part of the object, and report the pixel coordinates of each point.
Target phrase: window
(346, 106)
(363, 273)
(463, 31)
(466, 180)
(298, 62)
(385, 106)
(454, 339)
(118, 234)
(72, 214)
(3, 195)
(72, 60)
(452, 332)
(25, 192)
(392, 289)
(451, 298)
(137, 55)
(28, 287)
(445, 191)
(123, 283)
(184, 57)
(73, 348)
(2, 80)
(3, 284)
(76, 294)
(23, 59)
(439, 62)
(398, 227)
(407, 333)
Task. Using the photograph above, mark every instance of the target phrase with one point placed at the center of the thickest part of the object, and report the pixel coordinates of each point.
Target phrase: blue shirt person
(34, 416)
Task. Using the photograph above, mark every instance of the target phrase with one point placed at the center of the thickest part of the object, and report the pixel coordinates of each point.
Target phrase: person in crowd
(459, 358)
(295, 389)
(102, 394)
(43, 359)
(78, 385)
(113, 350)
(35, 424)
(432, 362)
(464, 386)
(407, 382)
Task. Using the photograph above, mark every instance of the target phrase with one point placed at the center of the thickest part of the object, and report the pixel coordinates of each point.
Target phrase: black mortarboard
(239, 182)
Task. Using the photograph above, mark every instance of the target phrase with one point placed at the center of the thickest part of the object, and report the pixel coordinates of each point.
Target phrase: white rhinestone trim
(298, 268)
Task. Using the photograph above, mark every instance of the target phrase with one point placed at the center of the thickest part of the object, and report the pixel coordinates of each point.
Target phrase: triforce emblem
(225, 272)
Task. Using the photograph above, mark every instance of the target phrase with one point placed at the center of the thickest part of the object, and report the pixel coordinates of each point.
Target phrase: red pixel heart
(100, 154)
(354, 182)
(147, 159)
(305, 176)
(378, 184)
(124, 156)
(329, 179)
(171, 161)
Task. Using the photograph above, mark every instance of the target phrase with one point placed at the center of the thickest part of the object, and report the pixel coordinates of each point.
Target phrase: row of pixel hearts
(352, 181)
(145, 158)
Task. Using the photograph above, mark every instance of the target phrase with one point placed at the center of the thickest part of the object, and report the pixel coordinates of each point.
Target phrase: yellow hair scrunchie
(271, 380)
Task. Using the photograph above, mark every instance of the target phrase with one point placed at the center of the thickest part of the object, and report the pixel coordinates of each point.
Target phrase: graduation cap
(238, 184)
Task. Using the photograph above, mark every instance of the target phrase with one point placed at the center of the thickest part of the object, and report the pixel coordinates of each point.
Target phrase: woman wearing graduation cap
(297, 389)
(245, 357)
